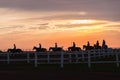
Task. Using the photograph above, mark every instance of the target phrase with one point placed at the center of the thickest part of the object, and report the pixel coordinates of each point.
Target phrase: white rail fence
(64, 57)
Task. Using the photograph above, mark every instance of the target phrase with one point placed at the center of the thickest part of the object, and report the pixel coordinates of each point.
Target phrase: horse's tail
(0, 51)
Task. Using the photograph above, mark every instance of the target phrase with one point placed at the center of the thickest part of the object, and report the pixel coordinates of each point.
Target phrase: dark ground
(53, 72)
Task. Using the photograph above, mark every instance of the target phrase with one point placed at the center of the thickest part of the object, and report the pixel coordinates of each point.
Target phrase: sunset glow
(27, 25)
(83, 21)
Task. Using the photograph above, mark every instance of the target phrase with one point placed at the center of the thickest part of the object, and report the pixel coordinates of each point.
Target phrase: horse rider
(104, 43)
(14, 46)
(97, 43)
(56, 45)
(40, 46)
(88, 44)
(74, 45)
(104, 46)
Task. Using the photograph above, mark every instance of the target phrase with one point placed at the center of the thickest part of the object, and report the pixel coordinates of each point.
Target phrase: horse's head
(70, 47)
(34, 47)
(84, 46)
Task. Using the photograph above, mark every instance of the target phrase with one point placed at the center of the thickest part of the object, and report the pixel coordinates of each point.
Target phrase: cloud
(43, 24)
(73, 15)
(12, 27)
(96, 8)
(31, 15)
(80, 25)
(39, 28)
(114, 26)
(60, 4)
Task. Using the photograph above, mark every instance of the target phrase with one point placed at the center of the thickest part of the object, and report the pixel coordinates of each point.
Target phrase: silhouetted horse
(14, 50)
(55, 49)
(39, 49)
(74, 48)
(104, 47)
(88, 47)
(0, 51)
(97, 47)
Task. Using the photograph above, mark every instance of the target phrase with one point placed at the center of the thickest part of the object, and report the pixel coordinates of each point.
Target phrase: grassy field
(22, 71)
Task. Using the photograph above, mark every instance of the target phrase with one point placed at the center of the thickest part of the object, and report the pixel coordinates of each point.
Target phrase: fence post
(48, 57)
(99, 53)
(28, 58)
(76, 56)
(83, 57)
(94, 54)
(36, 64)
(89, 59)
(117, 59)
(62, 59)
(103, 53)
(8, 58)
(70, 58)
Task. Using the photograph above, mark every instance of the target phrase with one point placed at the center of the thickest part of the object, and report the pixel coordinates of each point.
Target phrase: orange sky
(63, 37)
(27, 25)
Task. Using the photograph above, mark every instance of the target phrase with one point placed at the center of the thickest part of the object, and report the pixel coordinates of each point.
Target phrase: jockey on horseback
(88, 44)
(14, 47)
(74, 45)
(56, 45)
(40, 46)
(97, 43)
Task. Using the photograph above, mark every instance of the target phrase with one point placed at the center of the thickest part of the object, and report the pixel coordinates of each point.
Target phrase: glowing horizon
(27, 25)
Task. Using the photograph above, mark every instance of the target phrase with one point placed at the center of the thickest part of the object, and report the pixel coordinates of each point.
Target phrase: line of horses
(56, 48)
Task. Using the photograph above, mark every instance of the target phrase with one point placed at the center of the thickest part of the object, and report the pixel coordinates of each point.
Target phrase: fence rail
(64, 57)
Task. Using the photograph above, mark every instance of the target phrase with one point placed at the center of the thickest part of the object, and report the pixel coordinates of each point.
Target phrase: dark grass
(20, 71)
(81, 66)
(24, 71)
(67, 67)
